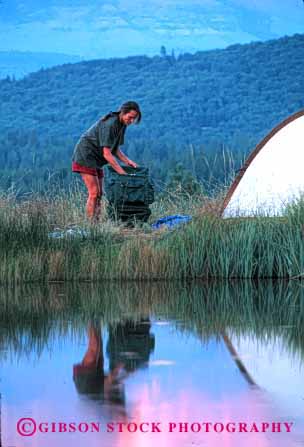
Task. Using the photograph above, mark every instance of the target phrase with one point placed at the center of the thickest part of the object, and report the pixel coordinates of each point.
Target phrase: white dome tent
(272, 176)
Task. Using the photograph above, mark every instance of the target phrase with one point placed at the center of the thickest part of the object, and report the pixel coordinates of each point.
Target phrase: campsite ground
(207, 247)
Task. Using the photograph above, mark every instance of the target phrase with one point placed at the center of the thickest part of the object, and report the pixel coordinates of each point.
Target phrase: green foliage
(195, 108)
(180, 179)
(207, 247)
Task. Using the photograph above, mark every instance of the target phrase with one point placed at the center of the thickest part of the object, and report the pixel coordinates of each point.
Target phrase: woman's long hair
(126, 107)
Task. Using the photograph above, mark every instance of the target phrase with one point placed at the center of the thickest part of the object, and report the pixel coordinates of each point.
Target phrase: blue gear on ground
(171, 221)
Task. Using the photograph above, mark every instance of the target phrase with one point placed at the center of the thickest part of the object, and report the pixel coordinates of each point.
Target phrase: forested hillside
(193, 107)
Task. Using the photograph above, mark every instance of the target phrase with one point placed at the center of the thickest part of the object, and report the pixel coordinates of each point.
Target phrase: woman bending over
(100, 145)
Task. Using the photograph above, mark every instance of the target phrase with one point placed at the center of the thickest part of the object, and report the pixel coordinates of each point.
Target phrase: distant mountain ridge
(18, 64)
(118, 28)
(206, 100)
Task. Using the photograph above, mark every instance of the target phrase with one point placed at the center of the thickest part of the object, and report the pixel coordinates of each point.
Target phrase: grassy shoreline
(208, 247)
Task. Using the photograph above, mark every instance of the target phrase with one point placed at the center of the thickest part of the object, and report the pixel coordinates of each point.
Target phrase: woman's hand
(111, 160)
(121, 156)
(132, 164)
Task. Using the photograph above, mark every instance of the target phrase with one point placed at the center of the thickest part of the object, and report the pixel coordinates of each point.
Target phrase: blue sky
(118, 28)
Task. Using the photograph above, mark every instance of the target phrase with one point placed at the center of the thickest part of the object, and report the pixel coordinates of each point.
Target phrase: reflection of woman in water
(129, 348)
(89, 375)
(130, 344)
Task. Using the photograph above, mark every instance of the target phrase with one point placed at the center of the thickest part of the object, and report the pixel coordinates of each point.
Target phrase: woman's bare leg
(94, 352)
(93, 206)
(98, 200)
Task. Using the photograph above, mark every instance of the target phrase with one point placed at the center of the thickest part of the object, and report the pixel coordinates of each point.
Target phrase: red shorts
(85, 170)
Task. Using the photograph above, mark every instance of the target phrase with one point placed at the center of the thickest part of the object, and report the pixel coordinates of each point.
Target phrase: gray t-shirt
(89, 149)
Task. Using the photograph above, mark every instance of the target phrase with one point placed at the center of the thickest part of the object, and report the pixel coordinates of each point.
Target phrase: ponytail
(109, 115)
(126, 107)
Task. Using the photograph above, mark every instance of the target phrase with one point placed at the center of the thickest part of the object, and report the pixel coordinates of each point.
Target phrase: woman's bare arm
(122, 157)
(111, 160)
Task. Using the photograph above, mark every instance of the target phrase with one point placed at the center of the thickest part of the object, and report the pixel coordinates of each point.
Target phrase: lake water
(218, 364)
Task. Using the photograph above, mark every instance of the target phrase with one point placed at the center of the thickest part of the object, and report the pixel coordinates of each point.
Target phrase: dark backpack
(134, 187)
(129, 196)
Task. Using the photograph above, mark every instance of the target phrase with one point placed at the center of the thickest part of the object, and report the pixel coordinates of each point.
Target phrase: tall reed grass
(208, 247)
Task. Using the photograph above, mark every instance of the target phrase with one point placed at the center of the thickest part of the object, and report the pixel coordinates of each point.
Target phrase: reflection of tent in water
(273, 368)
(204, 385)
(272, 176)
